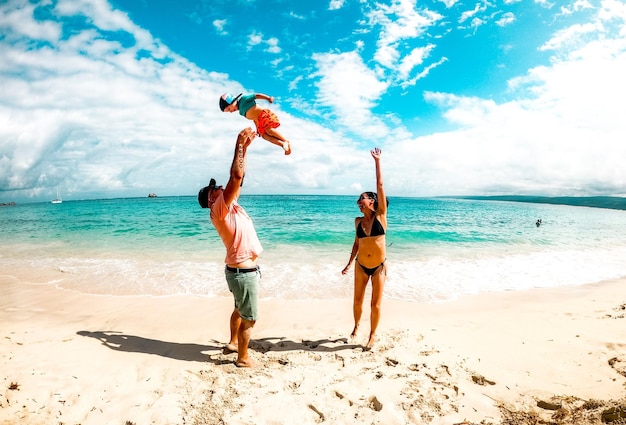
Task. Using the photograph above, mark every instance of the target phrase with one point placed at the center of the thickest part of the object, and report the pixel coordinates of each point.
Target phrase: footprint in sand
(618, 366)
(375, 404)
(321, 416)
(340, 396)
(391, 362)
(620, 313)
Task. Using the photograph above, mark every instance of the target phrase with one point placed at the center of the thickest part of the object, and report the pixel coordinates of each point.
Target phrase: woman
(369, 252)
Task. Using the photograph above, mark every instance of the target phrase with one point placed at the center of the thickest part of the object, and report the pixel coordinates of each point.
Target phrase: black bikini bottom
(368, 271)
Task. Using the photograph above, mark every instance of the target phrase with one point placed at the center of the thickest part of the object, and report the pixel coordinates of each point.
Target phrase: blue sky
(120, 98)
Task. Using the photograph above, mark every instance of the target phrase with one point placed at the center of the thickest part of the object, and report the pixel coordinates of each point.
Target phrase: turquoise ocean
(438, 249)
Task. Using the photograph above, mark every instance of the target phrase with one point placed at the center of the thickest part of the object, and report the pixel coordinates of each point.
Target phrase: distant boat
(58, 199)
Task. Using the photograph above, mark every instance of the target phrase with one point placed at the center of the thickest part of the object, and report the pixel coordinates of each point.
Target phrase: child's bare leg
(273, 136)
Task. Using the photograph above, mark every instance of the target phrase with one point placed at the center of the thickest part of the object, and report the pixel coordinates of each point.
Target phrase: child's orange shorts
(267, 119)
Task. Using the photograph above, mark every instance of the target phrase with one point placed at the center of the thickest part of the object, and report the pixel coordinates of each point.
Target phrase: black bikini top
(377, 229)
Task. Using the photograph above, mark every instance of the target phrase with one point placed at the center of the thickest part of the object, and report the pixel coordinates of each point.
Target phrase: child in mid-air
(265, 120)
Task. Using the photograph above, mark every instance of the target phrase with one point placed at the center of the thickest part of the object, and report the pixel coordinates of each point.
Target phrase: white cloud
(449, 3)
(220, 25)
(471, 13)
(401, 25)
(599, 33)
(483, 14)
(336, 4)
(506, 19)
(15, 21)
(272, 44)
(569, 36)
(296, 16)
(351, 90)
(562, 135)
(545, 3)
(424, 73)
(414, 58)
(576, 6)
(255, 39)
(397, 22)
(99, 118)
(477, 22)
(522, 147)
(105, 18)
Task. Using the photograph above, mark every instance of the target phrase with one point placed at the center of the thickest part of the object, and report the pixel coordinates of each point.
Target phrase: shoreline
(93, 359)
(435, 279)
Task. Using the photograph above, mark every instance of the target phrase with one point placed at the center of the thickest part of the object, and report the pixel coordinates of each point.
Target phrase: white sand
(81, 359)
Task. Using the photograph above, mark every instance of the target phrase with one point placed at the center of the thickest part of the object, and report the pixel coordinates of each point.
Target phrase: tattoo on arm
(241, 156)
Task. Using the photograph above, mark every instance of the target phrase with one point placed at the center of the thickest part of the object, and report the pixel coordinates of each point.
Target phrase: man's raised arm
(238, 167)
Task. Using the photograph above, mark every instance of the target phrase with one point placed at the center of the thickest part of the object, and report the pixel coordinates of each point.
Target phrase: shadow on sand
(136, 344)
(198, 353)
(263, 345)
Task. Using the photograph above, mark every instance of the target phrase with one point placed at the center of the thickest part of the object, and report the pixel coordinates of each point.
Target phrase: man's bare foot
(230, 348)
(244, 363)
(287, 147)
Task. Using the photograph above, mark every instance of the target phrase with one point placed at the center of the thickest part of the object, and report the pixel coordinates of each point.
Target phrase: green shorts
(245, 289)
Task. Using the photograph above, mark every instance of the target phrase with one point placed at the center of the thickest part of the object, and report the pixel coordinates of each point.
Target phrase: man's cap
(203, 194)
(227, 99)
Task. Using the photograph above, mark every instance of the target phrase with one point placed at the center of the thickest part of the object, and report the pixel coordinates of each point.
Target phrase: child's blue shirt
(246, 102)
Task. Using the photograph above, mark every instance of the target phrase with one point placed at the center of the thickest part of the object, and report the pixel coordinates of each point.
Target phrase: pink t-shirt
(236, 230)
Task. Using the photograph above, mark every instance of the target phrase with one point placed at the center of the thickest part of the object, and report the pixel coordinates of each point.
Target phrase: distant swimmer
(538, 223)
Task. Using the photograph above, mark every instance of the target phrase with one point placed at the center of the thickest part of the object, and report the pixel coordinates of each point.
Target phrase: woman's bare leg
(378, 285)
(360, 283)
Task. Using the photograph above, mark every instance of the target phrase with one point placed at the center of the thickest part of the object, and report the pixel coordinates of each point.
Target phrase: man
(242, 249)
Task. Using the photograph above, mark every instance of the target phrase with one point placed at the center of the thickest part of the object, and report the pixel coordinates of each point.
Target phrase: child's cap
(227, 99)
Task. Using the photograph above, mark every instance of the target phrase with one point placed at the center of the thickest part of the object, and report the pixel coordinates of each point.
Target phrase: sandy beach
(557, 355)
